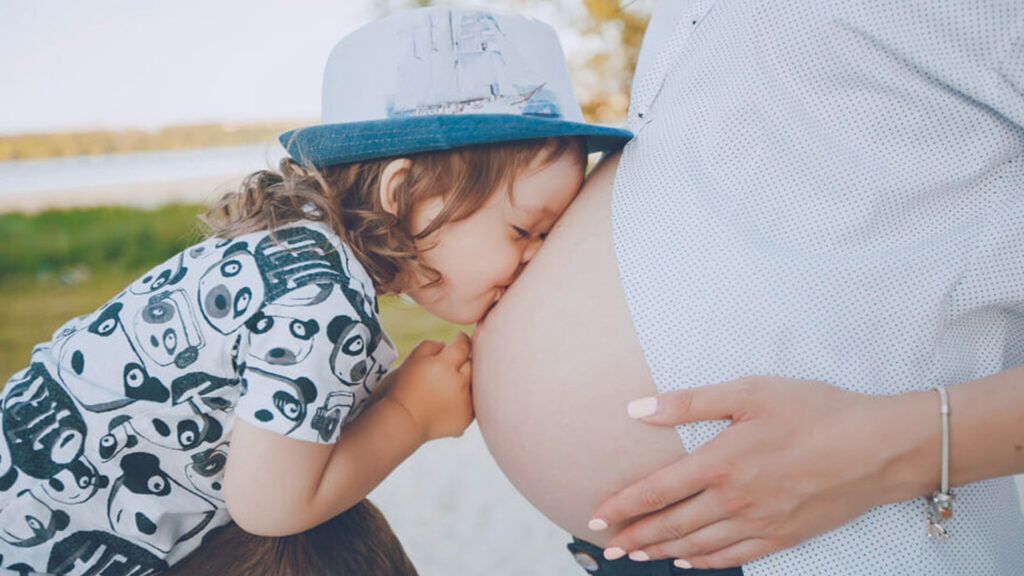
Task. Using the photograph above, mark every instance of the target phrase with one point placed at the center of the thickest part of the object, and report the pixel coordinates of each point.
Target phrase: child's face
(479, 256)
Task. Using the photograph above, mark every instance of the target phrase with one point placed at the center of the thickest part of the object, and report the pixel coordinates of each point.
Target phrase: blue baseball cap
(439, 78)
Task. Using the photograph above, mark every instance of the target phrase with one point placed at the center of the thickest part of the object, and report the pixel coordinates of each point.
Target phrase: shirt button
(586, 561)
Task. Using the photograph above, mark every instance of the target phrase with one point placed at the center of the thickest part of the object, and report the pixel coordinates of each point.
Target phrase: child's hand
(433, 386)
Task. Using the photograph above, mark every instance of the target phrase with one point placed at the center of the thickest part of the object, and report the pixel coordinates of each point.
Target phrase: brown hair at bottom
(357, 542)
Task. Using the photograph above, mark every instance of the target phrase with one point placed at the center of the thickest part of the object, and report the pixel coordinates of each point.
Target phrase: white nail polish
(642, 407)
(614, 553)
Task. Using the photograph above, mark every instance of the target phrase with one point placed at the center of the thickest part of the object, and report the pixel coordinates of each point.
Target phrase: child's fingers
(458, 350)
(427, 348)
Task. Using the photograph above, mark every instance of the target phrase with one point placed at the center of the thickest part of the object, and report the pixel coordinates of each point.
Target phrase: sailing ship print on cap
(462, 63)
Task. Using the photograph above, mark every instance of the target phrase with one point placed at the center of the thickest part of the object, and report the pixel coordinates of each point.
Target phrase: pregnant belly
(554, 365)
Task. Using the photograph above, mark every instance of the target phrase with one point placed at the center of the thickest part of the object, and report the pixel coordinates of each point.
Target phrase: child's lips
(500, 291)
(487, 311)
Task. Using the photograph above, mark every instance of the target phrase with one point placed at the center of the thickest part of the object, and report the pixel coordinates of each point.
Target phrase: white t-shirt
(114, 439)
(834, 191)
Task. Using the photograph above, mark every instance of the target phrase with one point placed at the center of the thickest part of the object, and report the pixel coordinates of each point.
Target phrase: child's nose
(531, 251)
(515, 275)
(524, 258)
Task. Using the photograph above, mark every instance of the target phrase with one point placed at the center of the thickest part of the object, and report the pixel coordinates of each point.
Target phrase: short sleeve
(986, 309)
(309, 364)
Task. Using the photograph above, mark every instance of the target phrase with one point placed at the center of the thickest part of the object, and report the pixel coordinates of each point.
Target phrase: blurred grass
(63, 263)
(59, 243)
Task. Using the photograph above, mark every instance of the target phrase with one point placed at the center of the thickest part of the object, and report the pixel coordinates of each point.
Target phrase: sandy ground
(449, 503)
(455, 513)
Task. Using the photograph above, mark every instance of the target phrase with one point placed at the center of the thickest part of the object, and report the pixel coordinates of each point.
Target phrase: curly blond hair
(346, 198)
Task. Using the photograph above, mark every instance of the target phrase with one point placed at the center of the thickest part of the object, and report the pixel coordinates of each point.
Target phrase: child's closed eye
(523, 233)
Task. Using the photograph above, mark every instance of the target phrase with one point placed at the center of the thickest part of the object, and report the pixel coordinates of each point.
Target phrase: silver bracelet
(940, 503)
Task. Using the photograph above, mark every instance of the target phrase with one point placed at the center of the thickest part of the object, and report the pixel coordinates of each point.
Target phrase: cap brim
(327, 144)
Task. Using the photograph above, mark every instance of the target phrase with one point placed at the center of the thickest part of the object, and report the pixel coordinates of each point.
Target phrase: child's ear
(391, 179)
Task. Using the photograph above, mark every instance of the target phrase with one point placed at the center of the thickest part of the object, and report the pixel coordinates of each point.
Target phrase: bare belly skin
(554, 365)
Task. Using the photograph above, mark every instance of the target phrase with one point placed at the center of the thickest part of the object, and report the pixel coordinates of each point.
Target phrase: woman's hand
(800, 458)
(433, 385)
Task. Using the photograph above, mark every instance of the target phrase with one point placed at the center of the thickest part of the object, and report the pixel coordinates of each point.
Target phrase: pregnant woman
(828, 193)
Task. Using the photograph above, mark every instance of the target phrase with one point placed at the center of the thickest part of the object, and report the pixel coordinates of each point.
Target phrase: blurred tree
(614, 62)
(27, 146)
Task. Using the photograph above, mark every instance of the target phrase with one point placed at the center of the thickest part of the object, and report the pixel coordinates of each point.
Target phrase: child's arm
(275, 485)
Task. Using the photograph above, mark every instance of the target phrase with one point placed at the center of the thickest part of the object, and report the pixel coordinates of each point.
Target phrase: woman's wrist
(908, 433)
(985, 437)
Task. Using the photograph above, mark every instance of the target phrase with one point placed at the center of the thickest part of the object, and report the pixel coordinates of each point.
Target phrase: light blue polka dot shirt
(834, 191)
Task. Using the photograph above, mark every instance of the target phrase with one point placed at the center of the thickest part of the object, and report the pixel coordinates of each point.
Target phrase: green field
(60, 264)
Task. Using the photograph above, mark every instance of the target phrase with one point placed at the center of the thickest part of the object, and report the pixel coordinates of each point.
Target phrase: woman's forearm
(986, 436)
(987, 427)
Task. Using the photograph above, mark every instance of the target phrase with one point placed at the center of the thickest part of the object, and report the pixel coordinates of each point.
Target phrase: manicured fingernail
(614, 553)
(642, 407)
(597, 524)
(639, 556)
(680, 563)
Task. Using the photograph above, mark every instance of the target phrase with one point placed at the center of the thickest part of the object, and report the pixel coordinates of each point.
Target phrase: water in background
(24, 176)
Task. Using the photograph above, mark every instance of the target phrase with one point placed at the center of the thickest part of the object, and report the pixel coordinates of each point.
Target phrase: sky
(112, 64)
(116, 64)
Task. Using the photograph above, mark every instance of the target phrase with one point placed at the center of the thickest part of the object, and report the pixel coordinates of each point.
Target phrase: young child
(225, 383)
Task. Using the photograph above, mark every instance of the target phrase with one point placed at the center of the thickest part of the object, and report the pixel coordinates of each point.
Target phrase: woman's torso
(810, 195)
(555, 364)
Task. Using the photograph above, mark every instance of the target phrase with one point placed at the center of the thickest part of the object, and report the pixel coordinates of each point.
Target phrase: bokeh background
(121, 119)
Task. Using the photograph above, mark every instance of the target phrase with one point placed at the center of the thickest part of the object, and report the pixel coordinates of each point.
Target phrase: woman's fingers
(785, 469)
(701, 543)
(734, 555)
(713, 402)
(677, 481)
(687, 476)
(687, 527)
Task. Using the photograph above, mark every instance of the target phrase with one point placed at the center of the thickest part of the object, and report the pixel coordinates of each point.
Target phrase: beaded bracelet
(940, 503)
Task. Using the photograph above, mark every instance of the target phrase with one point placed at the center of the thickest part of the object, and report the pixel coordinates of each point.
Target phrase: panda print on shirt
(132, 513)
(113, 441)
(28, 521)
(84, 365)
(166, 331)
(227, 296)
(167, 274)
